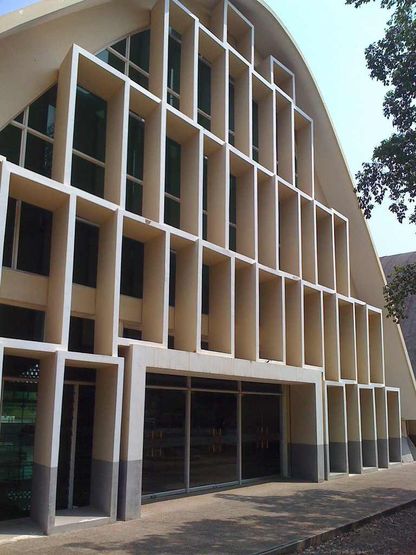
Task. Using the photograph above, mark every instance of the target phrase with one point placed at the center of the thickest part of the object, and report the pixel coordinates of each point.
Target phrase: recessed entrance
(202, 433)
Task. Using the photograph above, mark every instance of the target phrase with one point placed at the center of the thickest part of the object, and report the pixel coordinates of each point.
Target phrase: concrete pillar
(159, 26)
(331, 338)
(289, 231)
(375, 333)
(191, 184)
(342, 262)
(337, 429)
(308, 238)
(271, 318)
(218, 176)
(325, 246)
(267, 131)
(187, 322)
(246, 312)
(246, 213)
(243, 130)
(394, 428)
(189, 69)
(154, 164)
(4, 198)
(221, 306)
(312, 327)
(131, 452)
(347, 340)
(363, 353)
(304, 152)
(306, 432)
(46, 447)
(382, 427)
(285, 139)
(267, 210)
(368, 427)
(294, 331)
(106, 438)
(355, 457)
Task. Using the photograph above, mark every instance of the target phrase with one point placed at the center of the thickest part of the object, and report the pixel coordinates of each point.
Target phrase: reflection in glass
(34, 239)
(260, 436)
(213, 438)
(164, 441)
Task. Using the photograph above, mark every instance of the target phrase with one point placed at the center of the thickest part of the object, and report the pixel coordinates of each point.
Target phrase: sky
(332, 38)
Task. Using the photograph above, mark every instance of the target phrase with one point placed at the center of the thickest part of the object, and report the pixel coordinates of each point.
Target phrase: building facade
(189, 295)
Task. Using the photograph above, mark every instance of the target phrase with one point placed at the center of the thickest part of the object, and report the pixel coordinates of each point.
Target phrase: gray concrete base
(104, 480)
(44, 481)
(369, 452)
(408, 450)
(338, 457)
(355, 461)
(307, 461)
(130, 490)
(383, 453)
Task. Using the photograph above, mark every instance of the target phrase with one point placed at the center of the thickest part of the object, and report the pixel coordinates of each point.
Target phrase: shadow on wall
(253, 524)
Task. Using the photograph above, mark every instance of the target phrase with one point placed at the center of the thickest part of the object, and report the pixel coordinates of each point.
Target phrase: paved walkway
(244, 520)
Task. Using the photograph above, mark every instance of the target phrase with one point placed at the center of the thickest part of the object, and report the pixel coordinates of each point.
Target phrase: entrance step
(82, 517)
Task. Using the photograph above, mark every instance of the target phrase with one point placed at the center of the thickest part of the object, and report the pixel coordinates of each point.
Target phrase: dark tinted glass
(205, 289)
(210, 383)
(168, 380)
(174, 65)
(173, 100)
(10, 143)
(164, 441)
(172, 212)
(232, 238)
(260, 430)
(205, 184)
(34, 239)
(173, 168)
(233, 199)
(261, 387)
(42, 113)
(138, 77)
(21, 323)
(132, 260)
(130, 333)
(19, 117)
(86, 254)
(81, 335)
(171, 341)
(8, 237)
(204, 226)
(38, 156)
(120, 47)
(135, 148)
(213, 438)
(20, 367)
(172, 279)
(80, 374)
(231, 109)
(139, 49)
(112, 60)
(134, 197)
(204, 87)
(255, 124)
(90, 124)
(204, 121)
(83, 449)
(87, 176)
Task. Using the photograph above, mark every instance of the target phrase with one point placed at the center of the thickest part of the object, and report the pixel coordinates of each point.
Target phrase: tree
(392, 171)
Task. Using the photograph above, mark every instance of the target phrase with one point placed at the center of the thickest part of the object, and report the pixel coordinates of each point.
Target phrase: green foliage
(391, 173)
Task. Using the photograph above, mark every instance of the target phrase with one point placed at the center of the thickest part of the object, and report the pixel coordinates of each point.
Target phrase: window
(131, 333)
(205, 199)
(132, 264)
(204, 93)
(135, 157)
(81, 335)
(28, 139)
(131, 57)
(174, 68)
(88, 161)
(233, 213)
(173, 183)
(28, 238)
(231, 113)
(21, 323)
(86, 253)
(255, 131)
(205, 289)
(172, 278)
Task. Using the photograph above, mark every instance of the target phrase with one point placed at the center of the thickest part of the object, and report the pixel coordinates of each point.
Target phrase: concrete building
(189, 294)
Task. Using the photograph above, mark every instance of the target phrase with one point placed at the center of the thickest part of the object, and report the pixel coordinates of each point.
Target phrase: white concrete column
(382, 427)
(355, 456)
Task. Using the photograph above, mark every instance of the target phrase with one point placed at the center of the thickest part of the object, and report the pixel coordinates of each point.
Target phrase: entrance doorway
(75, 447)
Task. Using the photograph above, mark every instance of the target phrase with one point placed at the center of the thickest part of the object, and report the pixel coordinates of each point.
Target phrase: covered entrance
(202, 433)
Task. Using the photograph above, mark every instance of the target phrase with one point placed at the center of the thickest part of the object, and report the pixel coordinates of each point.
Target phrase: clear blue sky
(333, 37)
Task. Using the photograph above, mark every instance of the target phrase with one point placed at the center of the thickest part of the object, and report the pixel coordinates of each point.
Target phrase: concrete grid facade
(280, 305)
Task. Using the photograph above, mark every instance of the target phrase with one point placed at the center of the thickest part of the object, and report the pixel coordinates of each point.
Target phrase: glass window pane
(130, 333)
(38, 157)
(261, 387)
(210, 383)
(86, 254)
(232, 238)
(90, 124)
(135, 148)
(112, 60)
(81, 335)
(204, 86)
(205, 289)
(34, 239)
(42, 113)
(19, 117)
(231, 109)
(204, 226)
(205, 184)
(174, 65)
(164, 441)
(139, 49)
(132, 263)
(260, 430)
(167, 380)
(10, 139)
(255, 124)
(120, 47)
(87, 176)
(213, 438)
(172, 279)
(233, 199)
(9, 233)
(173, 100)
(134, 197)
(204, 121)
(173, 168)
(138, 77)
(21, 323)
(172, 212)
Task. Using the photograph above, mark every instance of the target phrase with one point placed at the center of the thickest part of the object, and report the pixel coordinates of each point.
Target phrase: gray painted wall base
(369, 452)
(44, 481)
(408, 450)
(307, 461)
(104, 478)
(338, 457)
(383, 453)
(355, 461)
(130, 490)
